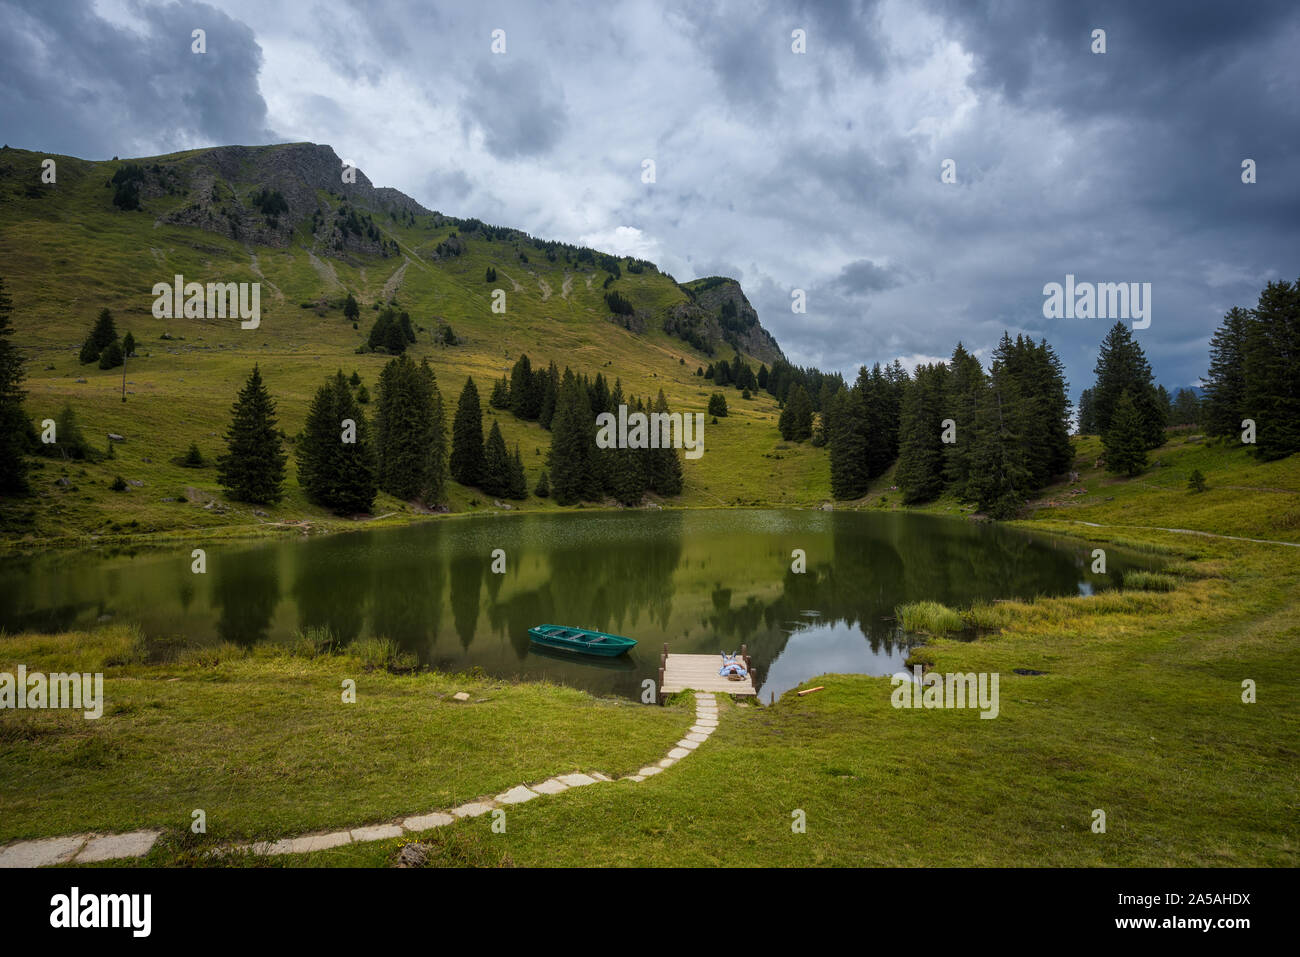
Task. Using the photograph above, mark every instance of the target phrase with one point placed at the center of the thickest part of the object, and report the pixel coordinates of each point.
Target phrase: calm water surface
(703, 581)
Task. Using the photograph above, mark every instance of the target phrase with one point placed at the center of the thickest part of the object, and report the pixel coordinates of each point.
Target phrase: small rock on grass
(413, 855)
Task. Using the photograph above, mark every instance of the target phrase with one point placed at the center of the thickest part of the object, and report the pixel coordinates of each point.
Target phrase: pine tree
(104, 332)
(467, 437)
(1125, 441)
(518, 479)
(252, 469)
(1273, 370)
(495, 476)
(351, 311)
(14, 424)
(921, 449)
(665, 471)
(111, 356)
(999, 473)
(795, 423)
(572, 438)
(543, 489)
(718, 405)
(966, 388)
(1225, 383)
(847, 439)
(550, 387)
(500, 398)
(1087, 414)
(435, 443)
(128, 345)
(1122, 366)
(336, 474)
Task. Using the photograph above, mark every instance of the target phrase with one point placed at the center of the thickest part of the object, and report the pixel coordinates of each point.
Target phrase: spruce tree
(15, 427)
(336, 474)
(434, 481)
(665, 466)
(1273, 370)
(1122, 366)
(543, 489)
(111, 356)
(999, 473)
(351, 311)
(495, 478)
(1125, 441)
(966, 387)
(1087, 414)
(1225, 383)
(847, 440)
(518, 478)
(921, 449)
(467, 437)
(570, 455)
(104, 332)
(718, 405)
(795, 423)
(252, 468)
(550, 387)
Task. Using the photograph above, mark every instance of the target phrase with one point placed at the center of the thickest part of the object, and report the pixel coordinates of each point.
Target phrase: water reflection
(703, 581)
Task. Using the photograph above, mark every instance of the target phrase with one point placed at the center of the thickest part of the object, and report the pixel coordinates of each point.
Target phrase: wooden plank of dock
(700, 673)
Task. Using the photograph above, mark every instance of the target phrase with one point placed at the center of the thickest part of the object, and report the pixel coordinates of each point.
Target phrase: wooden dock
(700, 673)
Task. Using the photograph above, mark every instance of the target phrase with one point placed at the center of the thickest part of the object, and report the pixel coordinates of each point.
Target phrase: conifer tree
(718, 405)
(999, 475)
(104, 332)
(1125, 441)
(571, 442)
(665, 466)
(847, 441)
(1225, 383)
(1121, 366)
(795, 423)
(921, 449)
(435, 444)
(336, 474)
(518, 479)
(467, 437)
(351, 311)
(495, 477)
(1272, 370)
(550, 387)
(965, 389)
(110, 357)
(252, 468)
(543, 489)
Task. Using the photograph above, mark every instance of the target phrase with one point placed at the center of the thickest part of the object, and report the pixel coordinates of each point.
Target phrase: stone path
(88, 848)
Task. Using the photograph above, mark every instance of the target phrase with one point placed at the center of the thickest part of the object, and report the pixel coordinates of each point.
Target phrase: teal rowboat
(581, 640)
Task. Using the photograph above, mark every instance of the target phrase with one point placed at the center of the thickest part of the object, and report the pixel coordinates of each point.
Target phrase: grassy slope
(1139, 714)
(181, 390)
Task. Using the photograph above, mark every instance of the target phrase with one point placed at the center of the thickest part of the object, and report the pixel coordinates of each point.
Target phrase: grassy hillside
(1135, 709)
(68, 252)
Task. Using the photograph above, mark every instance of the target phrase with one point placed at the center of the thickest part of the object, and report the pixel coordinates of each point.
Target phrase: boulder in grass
(114, 437)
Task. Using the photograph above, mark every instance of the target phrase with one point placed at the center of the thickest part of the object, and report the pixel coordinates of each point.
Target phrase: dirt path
(545, 287)
(567, 286)
(257, 271)
(1191, 531)
(394, 282)
(324, 270)
(90, 848)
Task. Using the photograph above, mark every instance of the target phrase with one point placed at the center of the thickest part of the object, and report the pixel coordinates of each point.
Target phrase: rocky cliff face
(220, 184)
(720, 312)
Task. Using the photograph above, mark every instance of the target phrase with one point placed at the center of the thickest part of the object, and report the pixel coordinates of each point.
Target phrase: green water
(703, 581)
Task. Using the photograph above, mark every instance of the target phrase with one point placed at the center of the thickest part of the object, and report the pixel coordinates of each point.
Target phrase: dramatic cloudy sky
(818, 171)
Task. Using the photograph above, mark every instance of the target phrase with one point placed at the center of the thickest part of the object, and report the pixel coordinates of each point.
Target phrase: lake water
(703, 581)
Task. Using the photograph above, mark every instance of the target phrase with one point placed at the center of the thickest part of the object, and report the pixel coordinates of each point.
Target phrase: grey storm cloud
(817, 171)
(517, 105)
(864, 276)
(93, 88)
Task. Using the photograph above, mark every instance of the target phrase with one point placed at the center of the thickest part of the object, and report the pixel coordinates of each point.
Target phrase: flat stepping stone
(650, 771)
(376, 832)
(307, 844)
(600, 777)
(461, 696)
(472, 809)
(553, 786)
(678, 753)
(577, 780)
(635, 777)
(517, 795)
(707, 720)
(695, 737)
(703, 729)
(427, 821)
(112, 846)
(667, 762)
(42, 853)
(687, 745)
(704, 696)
